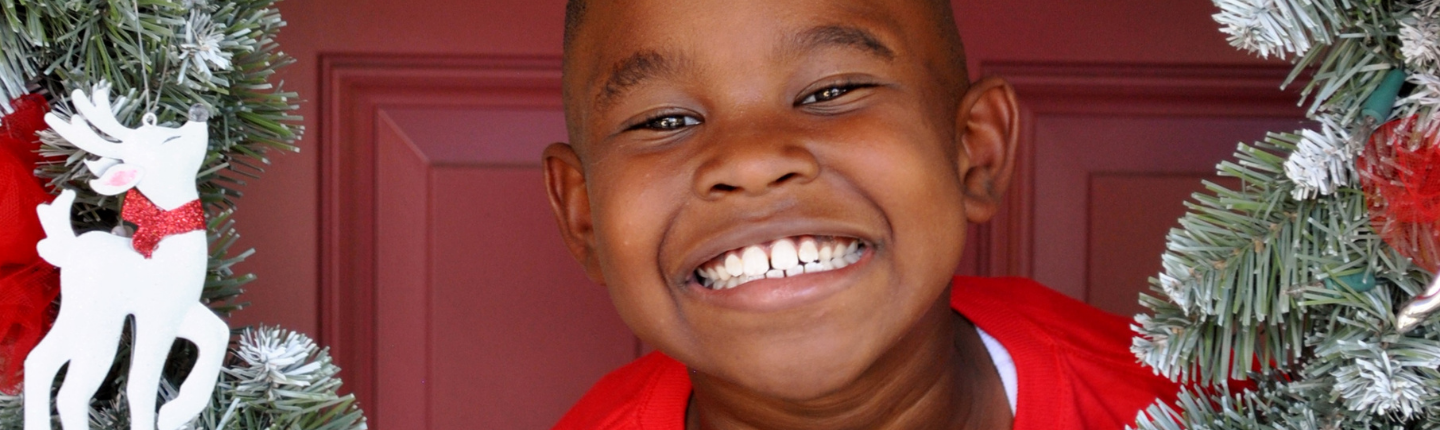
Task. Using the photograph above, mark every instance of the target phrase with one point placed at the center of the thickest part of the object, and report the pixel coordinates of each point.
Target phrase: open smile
(780, 258)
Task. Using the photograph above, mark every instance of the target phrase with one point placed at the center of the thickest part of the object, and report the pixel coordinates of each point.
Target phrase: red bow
(28, 285)
(154, 224)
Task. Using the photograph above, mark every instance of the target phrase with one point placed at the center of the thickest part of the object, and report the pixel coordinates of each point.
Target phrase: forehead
(651, 36)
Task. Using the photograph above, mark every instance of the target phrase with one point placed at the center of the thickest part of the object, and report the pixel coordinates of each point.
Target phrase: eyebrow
(646, 65)
(634, 70)
(842, 36)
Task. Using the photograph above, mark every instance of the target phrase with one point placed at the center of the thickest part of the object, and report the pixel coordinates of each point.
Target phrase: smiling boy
(776, 195)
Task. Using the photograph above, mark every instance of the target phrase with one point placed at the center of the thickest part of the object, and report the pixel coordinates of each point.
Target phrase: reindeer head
(161, 161)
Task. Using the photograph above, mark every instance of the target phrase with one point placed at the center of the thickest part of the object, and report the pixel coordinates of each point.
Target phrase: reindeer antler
(96, 113)
(99, 112)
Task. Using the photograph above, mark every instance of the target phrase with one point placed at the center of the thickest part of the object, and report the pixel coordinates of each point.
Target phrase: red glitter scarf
(154, 224)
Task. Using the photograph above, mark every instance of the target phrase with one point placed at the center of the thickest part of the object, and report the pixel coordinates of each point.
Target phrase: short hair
(575, 15)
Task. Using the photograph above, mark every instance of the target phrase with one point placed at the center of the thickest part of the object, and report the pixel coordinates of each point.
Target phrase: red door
(412, 236)
(454, 303)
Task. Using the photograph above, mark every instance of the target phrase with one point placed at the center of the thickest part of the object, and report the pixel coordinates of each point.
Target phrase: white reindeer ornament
(157, 276)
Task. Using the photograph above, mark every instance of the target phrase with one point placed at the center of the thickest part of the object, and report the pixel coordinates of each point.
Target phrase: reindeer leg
(211, 337)
(89, 365)
(86, 373)
(40, 368)
(152, 347)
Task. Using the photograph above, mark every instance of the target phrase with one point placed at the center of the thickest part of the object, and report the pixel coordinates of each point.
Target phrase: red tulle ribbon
(153, 224)
(28, 285)
(1400, 172)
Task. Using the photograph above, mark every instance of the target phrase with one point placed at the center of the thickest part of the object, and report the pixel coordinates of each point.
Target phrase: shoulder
(650, 393)
(1034, 310)
(1073, 361)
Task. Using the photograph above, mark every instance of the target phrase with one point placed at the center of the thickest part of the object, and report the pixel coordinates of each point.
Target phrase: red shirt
(1073, 363)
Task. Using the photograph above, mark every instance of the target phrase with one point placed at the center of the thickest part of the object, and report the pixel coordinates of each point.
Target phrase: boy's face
(705, 128)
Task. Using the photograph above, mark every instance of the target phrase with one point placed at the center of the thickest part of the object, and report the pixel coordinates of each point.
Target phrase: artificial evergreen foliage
(12, 411)
(1277, 303)
(280, 379)
(163, 56)
(159, 56)
(274, 379)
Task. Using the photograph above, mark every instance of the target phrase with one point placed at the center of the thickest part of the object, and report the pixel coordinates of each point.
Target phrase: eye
(668, 122)
(831, 93)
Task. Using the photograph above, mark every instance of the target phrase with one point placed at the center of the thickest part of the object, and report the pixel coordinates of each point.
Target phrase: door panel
(482, 317)
(451, 302)
(1070, 150)
(520, 332)
(1129, 216)
(1108, 153)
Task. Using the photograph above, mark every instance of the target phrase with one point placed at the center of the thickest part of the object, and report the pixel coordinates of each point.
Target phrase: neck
(938, 376)
(169, 198)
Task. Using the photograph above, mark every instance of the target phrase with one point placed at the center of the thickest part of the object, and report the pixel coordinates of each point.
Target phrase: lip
(763, 231)
(771, 295)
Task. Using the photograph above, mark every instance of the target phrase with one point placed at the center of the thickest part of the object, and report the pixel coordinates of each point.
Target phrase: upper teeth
(779, 259)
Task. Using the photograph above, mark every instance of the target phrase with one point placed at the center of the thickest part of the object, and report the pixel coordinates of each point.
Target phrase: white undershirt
(1004, 364)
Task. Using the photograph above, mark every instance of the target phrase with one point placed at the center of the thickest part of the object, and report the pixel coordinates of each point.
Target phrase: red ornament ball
(1400, 173)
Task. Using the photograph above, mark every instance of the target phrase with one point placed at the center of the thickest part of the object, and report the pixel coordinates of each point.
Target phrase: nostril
(724, 188)
(787, 177)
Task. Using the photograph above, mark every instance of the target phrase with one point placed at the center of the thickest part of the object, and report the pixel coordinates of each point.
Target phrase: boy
(776, 195)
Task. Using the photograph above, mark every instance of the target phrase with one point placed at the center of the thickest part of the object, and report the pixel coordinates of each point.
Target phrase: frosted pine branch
(274, 360)
(1427, 91)
(1254, 285)
(12, 411)
(1420, 40)
(280, 379)
(202, 49)
(1376, 386)
(1323, 162)
(1278, 27)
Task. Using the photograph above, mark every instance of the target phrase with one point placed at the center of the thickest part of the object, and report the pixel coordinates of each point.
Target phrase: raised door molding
(422, 159)
(361, 139)
(1225, 104)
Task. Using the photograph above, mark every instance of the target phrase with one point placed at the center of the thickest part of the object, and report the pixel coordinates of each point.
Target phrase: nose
(755, 164)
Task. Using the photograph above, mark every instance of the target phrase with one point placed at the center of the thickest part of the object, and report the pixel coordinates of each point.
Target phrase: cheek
(633, 205)
(910, 174)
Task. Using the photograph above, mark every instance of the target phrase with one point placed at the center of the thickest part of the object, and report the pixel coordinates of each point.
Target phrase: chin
(801, 371)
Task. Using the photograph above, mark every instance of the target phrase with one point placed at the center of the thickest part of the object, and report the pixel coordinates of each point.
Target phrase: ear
(100, 166)
(570, 200)
(118, 179)
(989, 129)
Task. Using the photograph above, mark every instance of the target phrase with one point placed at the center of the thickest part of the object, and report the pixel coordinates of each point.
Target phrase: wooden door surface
(411, 234)
(1109, 155)
(454, 303)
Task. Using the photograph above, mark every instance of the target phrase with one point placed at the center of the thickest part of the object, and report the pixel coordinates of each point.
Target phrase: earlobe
(988, 123)
(570, 201)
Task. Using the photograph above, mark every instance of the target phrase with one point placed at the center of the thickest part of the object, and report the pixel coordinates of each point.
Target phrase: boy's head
(704, 129)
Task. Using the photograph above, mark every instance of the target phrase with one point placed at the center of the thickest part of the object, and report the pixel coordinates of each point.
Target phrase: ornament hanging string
(144, 68)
